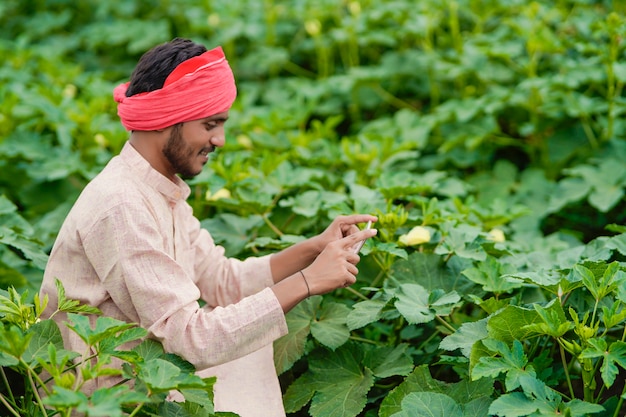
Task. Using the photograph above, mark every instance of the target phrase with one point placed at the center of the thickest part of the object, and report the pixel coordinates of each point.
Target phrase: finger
(352, 270)
(349, 280)
(351, 240)
(358, 218)
(353, 258)
(350, 230)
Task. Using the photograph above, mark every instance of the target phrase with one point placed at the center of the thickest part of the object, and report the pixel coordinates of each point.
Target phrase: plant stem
(136, 410)
(445, 324)
(364, 340)
(355, 292)
(271, 225)
(566, 369)
(390, 98)
(620, 402)
(431, 337)
(36, 392)
(380, 274)
(6, 384)
(8, 406)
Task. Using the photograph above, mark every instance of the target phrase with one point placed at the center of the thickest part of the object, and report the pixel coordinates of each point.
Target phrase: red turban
(197, 88)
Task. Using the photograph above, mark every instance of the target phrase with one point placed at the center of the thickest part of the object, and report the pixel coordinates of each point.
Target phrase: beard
(180, 155)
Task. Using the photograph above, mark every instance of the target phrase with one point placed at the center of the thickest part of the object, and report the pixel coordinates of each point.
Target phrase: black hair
(156, 64)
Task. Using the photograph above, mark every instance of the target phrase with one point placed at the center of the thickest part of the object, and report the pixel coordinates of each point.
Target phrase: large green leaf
(429, 271)
(365, 312)
(386, 361)
(232, 231)
(465, 337)
(105, 328)
(44, 333)
(512, 323)
(329, 328)
(289, 348)
(344, 382)
(428, 404)
(412, 303)
(611, 357)
(464, 392)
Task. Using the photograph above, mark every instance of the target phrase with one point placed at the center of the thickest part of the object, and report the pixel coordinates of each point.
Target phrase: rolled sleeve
(157, 291)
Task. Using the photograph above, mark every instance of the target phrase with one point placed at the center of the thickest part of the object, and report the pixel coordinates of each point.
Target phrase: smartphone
(359, 245)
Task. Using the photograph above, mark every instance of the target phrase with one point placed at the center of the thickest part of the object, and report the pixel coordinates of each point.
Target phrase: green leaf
(44, 333)
(71, 306)
(420, 380)
(477, 408)
(232, 231)
(428, 404)
(201, 397)
(300, 392)
(289, 348)
(107, 402)
(63, 398)
(462, 240)
(579, 408)
(14, 343)
(611, 357)
(515, 404)
(465, 337)
(388, 361)
(443, 303)
(391, 248)
(510, 360)
(345, 382)
(618, 243)
(554, 323)
(429, 271)
(512, 323)
(149, 349)
(110, 344)
(10, 277)
(162, 375)
(30, 247)
(105, 327)
(412, 303)
(366, 200)
(330, 327)
(365, 312)
(493, 276)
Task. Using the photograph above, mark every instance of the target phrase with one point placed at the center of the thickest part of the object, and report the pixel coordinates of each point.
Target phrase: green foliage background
(457, 116)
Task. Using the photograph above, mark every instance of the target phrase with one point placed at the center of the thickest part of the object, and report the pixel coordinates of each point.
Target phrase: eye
(211, 125)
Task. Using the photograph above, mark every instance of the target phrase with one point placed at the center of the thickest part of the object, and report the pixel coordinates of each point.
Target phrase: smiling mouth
(206, 151)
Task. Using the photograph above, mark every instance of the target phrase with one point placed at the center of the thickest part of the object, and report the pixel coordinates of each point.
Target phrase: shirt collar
(178, 190)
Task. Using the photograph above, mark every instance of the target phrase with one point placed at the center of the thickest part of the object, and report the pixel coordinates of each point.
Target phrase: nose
(218, 141)
(219, 138)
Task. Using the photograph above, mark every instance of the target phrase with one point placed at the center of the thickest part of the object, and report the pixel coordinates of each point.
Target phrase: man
(132, 247)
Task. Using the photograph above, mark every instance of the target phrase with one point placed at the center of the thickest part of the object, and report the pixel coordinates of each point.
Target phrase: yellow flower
(219, 194)
(496, 235)
(101, 140)
(313, 27)
(244, 141)
(69, 91)
(417, 235)
(213, 20)
(354, 7)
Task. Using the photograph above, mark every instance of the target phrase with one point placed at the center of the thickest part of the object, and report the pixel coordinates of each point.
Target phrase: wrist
(316, 245)
(308, 288)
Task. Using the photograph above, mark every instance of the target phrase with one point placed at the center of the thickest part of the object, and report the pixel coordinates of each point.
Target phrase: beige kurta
(132, 247)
